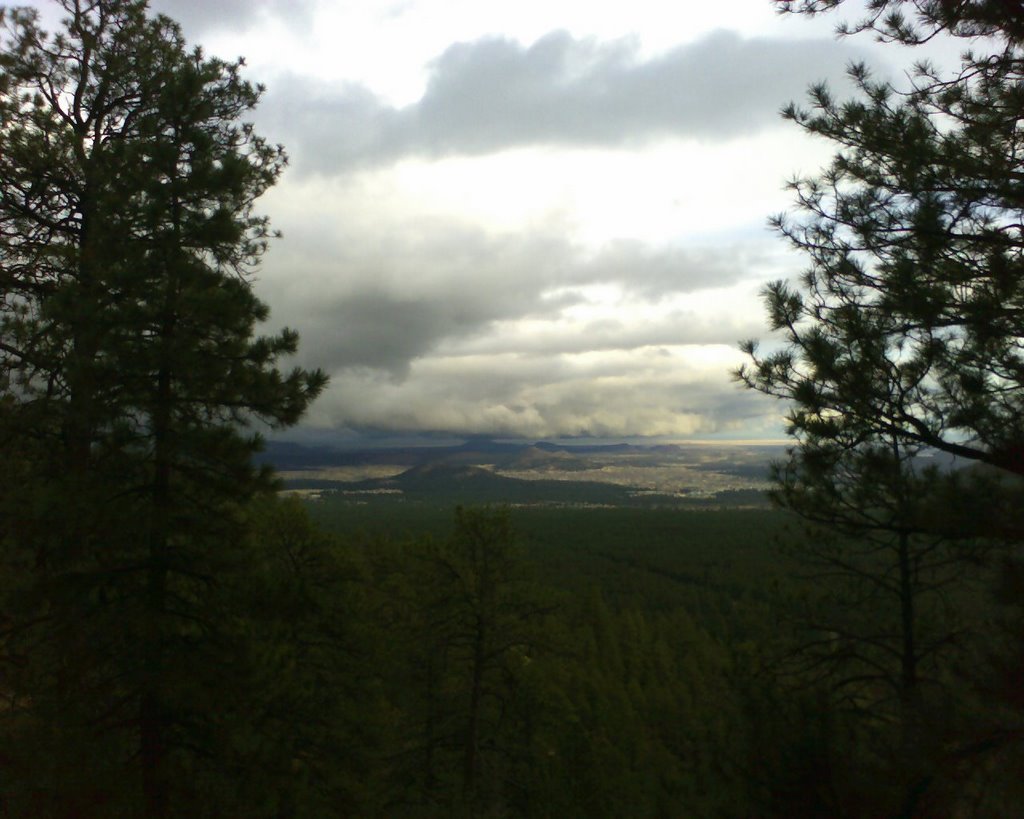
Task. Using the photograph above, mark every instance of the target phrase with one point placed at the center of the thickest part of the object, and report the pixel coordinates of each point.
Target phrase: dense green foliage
(612, 678)
(643, 664)
(129, 370)
(903, 337)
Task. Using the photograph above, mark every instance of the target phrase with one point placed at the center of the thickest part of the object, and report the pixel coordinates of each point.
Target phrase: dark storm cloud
(386, 331)
(493, 94)
(375, 330)
(402, 299)
(404, 292)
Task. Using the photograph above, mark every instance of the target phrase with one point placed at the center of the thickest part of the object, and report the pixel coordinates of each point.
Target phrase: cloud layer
(430, 317)
(391, 298)
(652, 391)
(553, 238)
(520, 250)
(495, 94)
(466, 331)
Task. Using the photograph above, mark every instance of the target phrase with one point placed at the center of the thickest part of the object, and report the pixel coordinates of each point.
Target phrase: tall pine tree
(904, 335)
(132, 377)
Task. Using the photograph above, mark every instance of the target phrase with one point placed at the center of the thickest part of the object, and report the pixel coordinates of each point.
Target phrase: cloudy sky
(540, 219)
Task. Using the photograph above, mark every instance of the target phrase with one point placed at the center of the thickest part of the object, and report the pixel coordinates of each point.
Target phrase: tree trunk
(152, 729)
(471, 768)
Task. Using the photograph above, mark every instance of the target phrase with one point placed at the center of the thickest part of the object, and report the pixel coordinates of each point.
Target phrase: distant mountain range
(443, 484)
(286, 456)
(475, 485)
(483, 471)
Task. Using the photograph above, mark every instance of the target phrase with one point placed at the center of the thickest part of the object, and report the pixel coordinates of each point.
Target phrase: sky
(543, 219)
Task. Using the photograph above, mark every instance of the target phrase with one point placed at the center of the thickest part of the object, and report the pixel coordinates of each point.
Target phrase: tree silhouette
(907, 321)
(131, 369)
(902, 338)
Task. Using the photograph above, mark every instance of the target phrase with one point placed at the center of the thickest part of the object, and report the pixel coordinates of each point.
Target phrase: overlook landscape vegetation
(523, 526)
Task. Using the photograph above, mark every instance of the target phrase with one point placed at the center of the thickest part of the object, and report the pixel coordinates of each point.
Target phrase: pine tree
(132, 378)
(901, 338)
(908, 318)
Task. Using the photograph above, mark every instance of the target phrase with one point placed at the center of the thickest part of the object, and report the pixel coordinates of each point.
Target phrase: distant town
(610, 473)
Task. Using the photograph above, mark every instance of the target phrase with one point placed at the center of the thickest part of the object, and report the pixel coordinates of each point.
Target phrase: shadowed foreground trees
(513, 693)
(130, 371)
(895, 565)
(904, 336)
(890, 609)
(468, 618)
